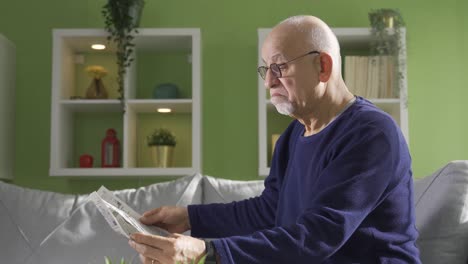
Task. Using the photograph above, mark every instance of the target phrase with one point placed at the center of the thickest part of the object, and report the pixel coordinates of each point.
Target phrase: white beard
(285, 108)
(282, 105)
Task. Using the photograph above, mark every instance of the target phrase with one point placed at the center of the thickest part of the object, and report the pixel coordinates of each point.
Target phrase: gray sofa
(50, 228)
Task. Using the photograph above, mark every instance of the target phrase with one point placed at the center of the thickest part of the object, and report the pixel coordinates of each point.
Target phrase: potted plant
(386, 43)
(122, 18)
(162, 142)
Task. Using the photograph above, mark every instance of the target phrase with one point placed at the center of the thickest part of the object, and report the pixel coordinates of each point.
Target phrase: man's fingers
(153, 211)
(145, 260)
(146, 251)
(163, 243)
(151, 217)
(170, 249)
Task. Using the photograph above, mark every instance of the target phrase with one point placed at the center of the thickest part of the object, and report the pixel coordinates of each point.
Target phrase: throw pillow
(217, 190)
(36, 213)
(14, 247)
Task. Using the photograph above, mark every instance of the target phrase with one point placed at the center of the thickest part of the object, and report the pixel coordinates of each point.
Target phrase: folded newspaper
(121, 217)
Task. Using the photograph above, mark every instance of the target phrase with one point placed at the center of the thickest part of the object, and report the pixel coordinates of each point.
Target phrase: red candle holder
(86, 161)
(110, 150)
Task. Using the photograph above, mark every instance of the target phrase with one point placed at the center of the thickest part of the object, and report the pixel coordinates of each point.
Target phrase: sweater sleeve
(354, 182)
(236, 218)
(248, 216)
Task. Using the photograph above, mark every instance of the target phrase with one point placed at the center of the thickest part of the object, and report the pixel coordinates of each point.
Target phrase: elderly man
(340, 186)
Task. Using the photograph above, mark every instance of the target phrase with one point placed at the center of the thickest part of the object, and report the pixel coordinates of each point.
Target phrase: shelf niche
(78, 124)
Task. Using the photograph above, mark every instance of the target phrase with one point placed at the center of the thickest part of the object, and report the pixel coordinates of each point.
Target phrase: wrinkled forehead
(282, 44)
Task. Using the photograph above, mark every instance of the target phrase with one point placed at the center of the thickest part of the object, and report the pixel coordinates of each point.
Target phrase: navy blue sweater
(344, 195)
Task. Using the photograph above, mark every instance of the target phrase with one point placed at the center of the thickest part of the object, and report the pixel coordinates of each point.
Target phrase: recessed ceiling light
(98, 46)
(164, 110)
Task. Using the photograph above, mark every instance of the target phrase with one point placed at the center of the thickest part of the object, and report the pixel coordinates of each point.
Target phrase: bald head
(307, 33)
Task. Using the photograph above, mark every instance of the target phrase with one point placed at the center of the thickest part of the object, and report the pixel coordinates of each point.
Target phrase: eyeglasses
(276, 68)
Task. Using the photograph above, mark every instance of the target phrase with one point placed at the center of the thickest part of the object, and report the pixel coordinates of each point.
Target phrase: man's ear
(326, 66)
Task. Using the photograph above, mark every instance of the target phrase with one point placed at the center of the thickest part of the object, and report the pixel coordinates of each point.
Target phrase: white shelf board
(80, 40)
(264, 171)
(148, 39)
(128, 172)
(351, 38)
(91, 105)
(151, 105)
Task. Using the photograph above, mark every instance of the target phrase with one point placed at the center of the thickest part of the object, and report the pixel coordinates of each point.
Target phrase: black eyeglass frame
(276, 68)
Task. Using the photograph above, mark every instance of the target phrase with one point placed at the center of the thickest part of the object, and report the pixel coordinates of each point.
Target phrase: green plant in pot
(386, 32)
(122, 18)
(162, 143)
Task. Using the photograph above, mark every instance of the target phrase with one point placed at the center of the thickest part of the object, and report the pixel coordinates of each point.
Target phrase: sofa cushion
(14, 247)
(36, 213)
(217, 190)
(86, 237)
(181, 192)
(441, 202)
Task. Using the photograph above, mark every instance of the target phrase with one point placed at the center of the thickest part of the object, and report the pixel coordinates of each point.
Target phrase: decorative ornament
(96, 90)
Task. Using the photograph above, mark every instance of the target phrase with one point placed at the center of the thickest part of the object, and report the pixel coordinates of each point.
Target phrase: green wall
(437, 56)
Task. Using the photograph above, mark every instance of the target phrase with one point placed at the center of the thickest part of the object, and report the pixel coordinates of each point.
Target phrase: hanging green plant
(386, 27)
(122, 18)
(386, 33)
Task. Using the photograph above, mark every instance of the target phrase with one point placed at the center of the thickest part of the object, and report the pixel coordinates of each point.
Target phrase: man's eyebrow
(275, 57)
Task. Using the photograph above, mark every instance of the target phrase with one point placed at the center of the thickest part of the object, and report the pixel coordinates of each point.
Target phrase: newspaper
(121, 217)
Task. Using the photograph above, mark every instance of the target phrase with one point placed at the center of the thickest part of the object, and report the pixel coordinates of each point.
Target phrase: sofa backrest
(80, 235)
(14, 245)
(45, 227)
(441, 203)
(27, 216)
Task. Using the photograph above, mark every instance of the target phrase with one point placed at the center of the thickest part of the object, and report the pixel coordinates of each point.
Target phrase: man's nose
(271, 81)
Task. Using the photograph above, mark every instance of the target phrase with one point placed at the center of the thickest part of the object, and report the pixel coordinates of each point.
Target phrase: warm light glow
(164, 110)
(98, 46)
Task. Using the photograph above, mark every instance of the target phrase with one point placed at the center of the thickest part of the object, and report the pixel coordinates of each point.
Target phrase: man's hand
(173, 219)
(167, 250)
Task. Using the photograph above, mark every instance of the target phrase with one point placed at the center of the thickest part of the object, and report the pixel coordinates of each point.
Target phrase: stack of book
(370, 76)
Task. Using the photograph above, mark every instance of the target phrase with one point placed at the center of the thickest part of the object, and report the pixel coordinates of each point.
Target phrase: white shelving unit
(7, 108)
(350, 39)
(71, 50)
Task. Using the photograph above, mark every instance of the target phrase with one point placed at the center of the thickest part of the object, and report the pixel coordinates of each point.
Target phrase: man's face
(293, 93)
